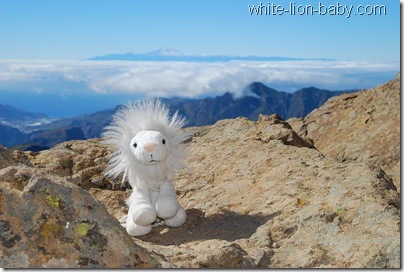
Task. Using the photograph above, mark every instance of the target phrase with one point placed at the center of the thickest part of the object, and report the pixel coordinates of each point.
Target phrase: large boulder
(47, 222)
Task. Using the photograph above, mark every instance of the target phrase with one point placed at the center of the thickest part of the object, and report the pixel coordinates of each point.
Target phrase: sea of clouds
(187, 79)
(66, 88)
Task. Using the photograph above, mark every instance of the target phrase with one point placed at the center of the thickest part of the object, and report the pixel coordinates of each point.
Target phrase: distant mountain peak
(167, 51)
(11, 113)
(171, 54)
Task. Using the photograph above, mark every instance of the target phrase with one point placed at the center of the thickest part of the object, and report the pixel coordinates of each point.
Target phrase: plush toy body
(149, 149)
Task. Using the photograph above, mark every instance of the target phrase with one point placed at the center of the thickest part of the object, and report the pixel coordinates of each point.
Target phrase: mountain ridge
(170, 54)
(258, 99)
(264, 100)
(14, 117)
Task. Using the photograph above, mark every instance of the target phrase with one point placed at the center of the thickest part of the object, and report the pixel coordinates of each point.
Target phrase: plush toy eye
(164, 141)
(135, 145)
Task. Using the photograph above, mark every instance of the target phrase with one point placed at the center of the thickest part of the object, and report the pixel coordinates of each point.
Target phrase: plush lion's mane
(150, 114)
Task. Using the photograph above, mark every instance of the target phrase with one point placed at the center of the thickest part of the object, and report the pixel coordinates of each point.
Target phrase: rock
(46, 222)
(114, 201)
(81, 163)
(362, 127)
(6, 157)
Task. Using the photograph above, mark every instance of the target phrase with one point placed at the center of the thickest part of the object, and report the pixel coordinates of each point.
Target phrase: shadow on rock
(228, 225)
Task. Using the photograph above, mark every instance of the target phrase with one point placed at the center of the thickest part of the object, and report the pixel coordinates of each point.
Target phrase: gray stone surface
(47, 222)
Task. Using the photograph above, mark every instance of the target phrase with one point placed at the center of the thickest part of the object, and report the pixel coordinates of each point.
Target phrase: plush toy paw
(142, 214)
(134, 229)
(166, 207)
(179, 218)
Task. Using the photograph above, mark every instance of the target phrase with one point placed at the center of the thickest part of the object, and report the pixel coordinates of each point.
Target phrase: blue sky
(76, 29)
(45, 44)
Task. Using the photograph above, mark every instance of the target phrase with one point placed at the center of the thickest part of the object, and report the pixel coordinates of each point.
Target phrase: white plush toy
(149, 149)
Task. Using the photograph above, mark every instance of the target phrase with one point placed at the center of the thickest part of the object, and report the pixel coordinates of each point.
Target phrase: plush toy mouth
(153, 161)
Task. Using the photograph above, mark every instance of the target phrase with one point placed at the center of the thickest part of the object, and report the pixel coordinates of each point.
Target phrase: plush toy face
(149, 147)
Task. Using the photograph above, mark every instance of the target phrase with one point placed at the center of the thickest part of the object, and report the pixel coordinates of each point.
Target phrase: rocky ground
(257, 194)
(360, 127)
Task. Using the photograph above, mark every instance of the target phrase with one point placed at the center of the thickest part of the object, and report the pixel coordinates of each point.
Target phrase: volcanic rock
(361, 127)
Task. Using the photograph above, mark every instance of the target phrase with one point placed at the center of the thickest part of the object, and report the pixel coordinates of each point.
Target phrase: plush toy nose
(150, 147)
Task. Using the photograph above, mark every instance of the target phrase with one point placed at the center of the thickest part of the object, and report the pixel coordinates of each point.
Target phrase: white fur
(149, 150)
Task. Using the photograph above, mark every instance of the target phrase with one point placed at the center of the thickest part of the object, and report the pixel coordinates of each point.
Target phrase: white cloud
(190, 79)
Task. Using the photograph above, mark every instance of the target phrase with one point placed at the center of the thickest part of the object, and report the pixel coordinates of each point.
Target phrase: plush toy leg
(167, 203)
(179, 218)
(141, 211)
